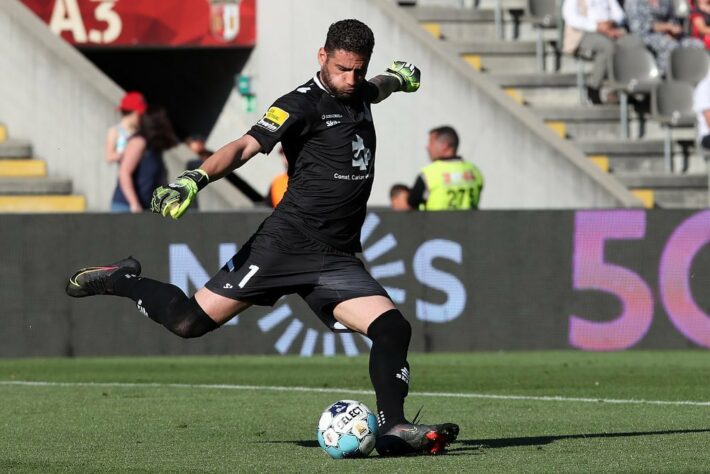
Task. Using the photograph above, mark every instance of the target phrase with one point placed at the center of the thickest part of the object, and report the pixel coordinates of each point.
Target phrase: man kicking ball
(308, 245)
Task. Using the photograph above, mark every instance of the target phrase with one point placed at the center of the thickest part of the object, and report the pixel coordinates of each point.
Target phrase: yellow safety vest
(451, 185)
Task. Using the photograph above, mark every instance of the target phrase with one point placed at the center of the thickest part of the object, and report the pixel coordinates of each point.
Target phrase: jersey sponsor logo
(273, 119)
(361, 154)
(330, 123)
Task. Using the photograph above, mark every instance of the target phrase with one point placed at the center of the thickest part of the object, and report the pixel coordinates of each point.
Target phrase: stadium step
(471, 24)
(25, 186)
(15, 150)
(638, 156)
(34, 203)
(602, 122)
(23, 168)
(672, 191)
(508, 57)
(28, 186)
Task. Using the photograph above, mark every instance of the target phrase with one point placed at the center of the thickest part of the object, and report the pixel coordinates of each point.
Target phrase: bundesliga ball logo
(347, 429)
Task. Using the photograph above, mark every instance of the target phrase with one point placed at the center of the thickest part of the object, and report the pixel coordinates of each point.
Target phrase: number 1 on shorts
(252, 270)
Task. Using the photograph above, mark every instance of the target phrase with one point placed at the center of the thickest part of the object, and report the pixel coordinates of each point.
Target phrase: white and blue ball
(347, 429)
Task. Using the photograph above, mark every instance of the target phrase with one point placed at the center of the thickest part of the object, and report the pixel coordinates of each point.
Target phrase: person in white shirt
(701, 106)
(591, 26)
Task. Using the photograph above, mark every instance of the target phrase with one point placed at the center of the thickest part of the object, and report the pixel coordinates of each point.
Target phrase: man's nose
(350, 78)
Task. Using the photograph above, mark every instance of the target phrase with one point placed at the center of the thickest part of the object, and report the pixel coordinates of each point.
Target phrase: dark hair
(350, 35)
(448, 135)
(155, 127)
(397, 189)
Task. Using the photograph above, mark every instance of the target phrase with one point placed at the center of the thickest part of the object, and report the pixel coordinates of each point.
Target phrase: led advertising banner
(602, 280)
(126, 23)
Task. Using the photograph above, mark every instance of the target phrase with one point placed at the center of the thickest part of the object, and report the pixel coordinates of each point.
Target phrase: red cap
(133, 102)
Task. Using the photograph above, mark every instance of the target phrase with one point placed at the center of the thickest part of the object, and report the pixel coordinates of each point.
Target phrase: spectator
(449, 182)
(656, 23)
(132, 107)
(591, 27)
(399, 195)
(279, 184)
(700, 21)
(142, 169)
(701, 105)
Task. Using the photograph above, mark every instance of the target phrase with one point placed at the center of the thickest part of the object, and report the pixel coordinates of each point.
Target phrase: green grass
(158, 428)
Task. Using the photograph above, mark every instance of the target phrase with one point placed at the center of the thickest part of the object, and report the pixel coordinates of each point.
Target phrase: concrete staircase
(506, 52)
(25, 186)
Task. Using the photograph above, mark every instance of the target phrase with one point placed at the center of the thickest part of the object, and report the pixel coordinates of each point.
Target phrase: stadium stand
(514, 62)
(25, 185)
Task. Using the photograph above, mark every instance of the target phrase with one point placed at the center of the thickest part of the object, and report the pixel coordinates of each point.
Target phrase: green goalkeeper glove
(407, 74)
(174, 199)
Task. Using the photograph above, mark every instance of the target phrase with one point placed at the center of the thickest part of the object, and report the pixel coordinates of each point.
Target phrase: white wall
(525, 164)
(53, 97)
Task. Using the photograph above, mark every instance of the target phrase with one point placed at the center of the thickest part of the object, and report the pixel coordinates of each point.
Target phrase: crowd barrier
(596, 280)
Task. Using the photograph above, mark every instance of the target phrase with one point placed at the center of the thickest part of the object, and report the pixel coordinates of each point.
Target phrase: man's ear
(322, 56)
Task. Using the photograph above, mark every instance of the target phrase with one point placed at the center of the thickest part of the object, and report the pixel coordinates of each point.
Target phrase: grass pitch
(621, 412)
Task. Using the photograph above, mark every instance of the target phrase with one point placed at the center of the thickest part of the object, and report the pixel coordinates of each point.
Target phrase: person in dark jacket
(142, 168)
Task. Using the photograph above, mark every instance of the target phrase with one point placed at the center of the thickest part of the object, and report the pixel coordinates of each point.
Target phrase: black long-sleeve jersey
(330, 147)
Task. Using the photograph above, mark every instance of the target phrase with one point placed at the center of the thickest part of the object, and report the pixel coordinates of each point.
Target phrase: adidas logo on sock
(403, 375)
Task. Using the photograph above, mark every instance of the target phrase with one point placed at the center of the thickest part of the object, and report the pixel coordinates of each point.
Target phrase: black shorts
(279, 260)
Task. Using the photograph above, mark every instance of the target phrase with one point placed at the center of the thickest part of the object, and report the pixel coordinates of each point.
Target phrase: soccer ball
(347, 429)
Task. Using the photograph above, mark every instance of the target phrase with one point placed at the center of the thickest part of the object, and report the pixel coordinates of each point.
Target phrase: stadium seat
(545, 15)
(633, 72)
(672, 107)
(580, 58)
(689, 65)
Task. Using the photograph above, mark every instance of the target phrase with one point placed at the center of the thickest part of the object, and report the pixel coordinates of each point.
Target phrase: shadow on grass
(475, 444)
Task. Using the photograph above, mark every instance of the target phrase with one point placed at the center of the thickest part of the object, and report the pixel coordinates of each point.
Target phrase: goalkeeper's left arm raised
(400, 76)
(174, 199)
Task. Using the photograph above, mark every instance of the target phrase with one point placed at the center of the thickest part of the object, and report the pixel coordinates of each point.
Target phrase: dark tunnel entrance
(193, 84)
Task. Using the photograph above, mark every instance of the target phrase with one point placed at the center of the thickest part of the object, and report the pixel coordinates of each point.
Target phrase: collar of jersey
(316, 79)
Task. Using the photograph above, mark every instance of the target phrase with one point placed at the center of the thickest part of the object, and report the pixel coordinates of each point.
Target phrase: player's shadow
(461, 446)
(476, 446)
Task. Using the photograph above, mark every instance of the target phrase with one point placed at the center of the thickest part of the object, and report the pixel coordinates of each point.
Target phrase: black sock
(164, 303)
(389, 370)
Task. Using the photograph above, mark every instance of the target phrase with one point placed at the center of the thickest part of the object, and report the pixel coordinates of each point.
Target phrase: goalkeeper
(308, 245)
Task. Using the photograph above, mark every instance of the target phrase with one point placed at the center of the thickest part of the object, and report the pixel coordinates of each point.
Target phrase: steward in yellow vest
(449, 182)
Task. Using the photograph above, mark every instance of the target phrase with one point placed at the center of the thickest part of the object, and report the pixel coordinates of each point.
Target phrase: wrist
(395, 78)
(198, 176)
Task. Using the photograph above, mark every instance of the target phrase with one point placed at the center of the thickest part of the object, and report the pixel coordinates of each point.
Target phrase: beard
(338, 94)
